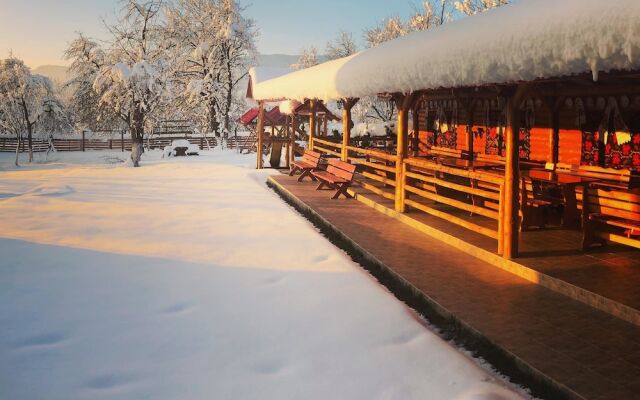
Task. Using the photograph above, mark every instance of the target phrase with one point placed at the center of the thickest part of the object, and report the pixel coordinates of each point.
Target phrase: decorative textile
(616, 136)
(446, 133)
(590, 148)
(525, 143)
(448, 139)
(494, 141)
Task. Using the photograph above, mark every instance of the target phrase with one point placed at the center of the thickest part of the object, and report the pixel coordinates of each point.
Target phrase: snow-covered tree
(342, 46)
(308, 58)
(134, 79)
(87, 59)
(471, 7)
(432, 14)
(389, 29)
(24, 98)
(212, 44)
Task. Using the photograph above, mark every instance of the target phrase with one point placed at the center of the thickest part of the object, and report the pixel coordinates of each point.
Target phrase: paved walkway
(584, 351)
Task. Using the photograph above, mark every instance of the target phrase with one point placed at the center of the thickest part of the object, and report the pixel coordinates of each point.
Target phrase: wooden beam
(347, 105)
(511, 215)
(260, 134)
(403, 103)
(415, 113)
(312, 122)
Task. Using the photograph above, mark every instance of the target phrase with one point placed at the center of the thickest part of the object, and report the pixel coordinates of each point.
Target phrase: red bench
(338, 176)
(309, 163)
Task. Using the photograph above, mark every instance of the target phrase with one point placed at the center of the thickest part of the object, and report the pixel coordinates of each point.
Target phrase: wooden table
(465, 164)
(567, 183)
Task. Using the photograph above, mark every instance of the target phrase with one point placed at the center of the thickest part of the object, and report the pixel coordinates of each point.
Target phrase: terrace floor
(586, 352)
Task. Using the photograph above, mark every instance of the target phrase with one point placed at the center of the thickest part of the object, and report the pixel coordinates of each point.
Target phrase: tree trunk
(137, 135)
(18, 150)
(25, 112)
(212, 123)
(30, 143)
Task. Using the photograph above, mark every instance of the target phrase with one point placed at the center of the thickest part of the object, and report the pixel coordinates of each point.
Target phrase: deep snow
(188, 278)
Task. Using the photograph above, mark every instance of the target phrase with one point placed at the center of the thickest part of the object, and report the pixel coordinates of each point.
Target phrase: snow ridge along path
(189, 279)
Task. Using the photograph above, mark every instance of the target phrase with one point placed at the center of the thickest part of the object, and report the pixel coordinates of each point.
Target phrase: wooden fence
(10, 144)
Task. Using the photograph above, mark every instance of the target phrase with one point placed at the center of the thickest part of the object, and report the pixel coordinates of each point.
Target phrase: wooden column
(416, 129)
(325, 125)
(511, 215)
(554, 157)
(312, 123)
(287, 132)
(403, 104)
(260, 135)
(347, 105)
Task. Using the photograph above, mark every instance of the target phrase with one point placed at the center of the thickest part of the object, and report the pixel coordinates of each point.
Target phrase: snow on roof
(261, 74)
(288, 107)
(527, 40)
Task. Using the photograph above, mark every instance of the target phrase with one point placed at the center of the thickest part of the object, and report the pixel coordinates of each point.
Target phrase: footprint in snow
(268, 368)
(405, 338)
(52, 190)
(109, 382)
(273, 280)
(47, 340)
(320, 259)
(178, 308)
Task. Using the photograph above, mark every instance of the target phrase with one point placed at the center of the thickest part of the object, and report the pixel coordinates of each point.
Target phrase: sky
(38, 31)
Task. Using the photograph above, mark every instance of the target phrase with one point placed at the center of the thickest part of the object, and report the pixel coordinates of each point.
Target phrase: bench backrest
(445, 151)
(614, 203)
(493, 158)
(312, 157)
(341, 169)
(618, 177)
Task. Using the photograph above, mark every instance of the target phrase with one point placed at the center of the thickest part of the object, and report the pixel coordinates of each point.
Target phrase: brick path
(585, 351)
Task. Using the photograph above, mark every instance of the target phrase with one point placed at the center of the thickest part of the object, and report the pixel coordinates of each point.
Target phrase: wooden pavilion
(577, 121)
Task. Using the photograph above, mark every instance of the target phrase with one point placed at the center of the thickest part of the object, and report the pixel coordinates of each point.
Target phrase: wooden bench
(338, 176)
(447, 152)
(308, 164)
(610, 215)
(609, 177)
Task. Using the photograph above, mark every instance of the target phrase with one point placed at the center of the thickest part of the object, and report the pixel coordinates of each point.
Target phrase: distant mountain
(276, 60)
(56, 73)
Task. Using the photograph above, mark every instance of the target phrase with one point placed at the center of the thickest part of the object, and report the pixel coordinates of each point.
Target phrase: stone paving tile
(591, 352)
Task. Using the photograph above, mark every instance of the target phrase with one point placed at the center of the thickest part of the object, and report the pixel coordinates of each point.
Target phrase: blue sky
(38, 30)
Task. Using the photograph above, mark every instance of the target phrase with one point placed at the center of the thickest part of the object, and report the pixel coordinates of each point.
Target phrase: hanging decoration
(616, 137)
(590, 154)
(524, 149)
(446, 133)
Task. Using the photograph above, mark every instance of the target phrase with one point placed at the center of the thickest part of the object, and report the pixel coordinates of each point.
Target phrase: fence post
(201, 143)
(82, 143)
(110, 144)
(122, 140)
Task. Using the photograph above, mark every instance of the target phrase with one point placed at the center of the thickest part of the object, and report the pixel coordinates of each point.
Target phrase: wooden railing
(475, 192)
(377, 166)
(327, 147)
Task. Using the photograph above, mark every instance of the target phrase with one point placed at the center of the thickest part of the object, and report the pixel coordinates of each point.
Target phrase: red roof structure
(248, 117)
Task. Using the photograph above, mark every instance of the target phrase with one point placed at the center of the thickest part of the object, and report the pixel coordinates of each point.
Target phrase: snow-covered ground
(188, 278)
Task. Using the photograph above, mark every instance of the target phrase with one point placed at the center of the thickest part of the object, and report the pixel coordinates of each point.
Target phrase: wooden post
(416, 130)
(403, 104)
(555, 133)
(347, 105)
(260, 135)
(82, 143)
(122, 140)
(325, 125)
(511, 215)
(312, 123)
